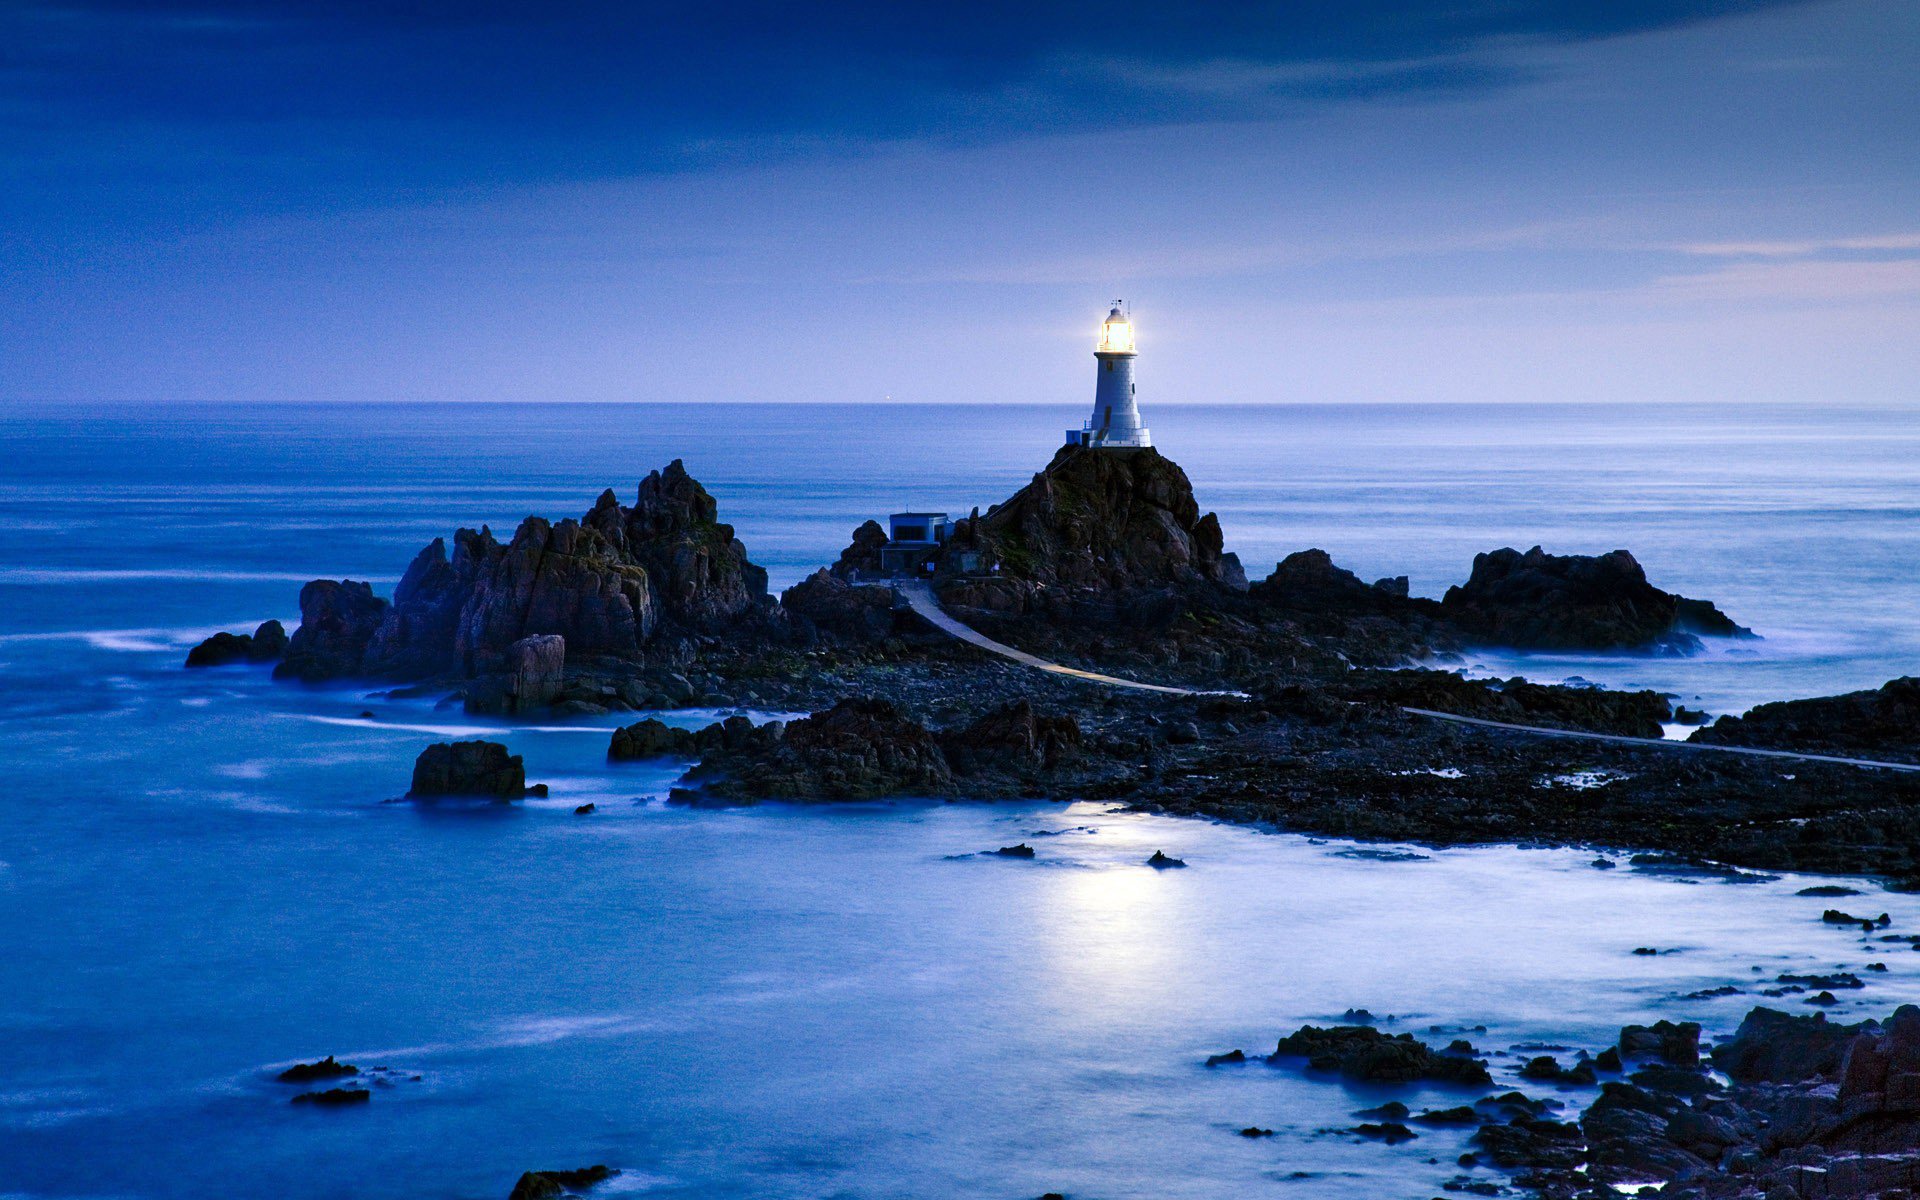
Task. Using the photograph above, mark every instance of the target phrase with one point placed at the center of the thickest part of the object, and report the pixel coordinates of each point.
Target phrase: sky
(1304, 201)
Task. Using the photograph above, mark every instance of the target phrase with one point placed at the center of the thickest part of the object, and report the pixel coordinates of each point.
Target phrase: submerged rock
(480, 769)
(327, 1068)
(1021, 851)
(265, 644)
(547, 1185)
(334, 1097)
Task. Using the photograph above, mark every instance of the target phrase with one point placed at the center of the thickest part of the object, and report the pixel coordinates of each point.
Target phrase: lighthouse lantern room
(1115, 423)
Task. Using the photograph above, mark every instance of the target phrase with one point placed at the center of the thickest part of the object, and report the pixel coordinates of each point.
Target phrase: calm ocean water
(199, 884)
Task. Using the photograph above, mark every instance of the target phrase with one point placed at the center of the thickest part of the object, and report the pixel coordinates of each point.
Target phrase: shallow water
(200, 882)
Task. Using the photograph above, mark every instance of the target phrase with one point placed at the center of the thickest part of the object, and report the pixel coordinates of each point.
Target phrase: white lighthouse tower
(1115, 423)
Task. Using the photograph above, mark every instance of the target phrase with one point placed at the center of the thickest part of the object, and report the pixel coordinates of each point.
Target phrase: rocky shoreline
(1104, 561)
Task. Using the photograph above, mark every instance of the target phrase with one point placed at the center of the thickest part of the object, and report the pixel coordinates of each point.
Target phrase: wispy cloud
(1803, 249)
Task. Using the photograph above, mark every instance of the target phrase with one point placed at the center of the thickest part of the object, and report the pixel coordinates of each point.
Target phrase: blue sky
(1368, 200)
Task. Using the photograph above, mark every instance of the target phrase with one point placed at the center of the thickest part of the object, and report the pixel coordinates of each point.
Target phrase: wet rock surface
(547, 1185)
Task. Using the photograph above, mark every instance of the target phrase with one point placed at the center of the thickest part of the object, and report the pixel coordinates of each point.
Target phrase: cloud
(1802, 249)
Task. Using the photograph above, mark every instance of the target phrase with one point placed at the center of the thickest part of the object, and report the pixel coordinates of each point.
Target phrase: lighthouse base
(1137, 438)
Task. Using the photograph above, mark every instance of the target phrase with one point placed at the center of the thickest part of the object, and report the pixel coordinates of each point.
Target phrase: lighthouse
(1115, 423)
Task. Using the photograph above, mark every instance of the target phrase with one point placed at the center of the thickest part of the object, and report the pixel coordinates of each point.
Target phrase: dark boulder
(1162, 861)
(1776, 1047)
(337, 621)
(1541, 601)
(1021, 851)
(651, 738)
(1672, 1042)
(264, 644)
(478, 769)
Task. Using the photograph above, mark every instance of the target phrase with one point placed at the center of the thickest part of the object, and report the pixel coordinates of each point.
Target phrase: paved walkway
(919, 596)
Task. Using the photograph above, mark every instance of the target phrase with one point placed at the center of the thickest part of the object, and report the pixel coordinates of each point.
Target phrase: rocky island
(1307, 687)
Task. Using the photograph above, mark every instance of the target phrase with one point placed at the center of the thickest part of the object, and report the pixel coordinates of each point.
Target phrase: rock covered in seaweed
(1541, 601)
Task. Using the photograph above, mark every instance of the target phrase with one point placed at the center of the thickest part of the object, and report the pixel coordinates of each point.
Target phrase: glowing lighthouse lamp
(1115, 423)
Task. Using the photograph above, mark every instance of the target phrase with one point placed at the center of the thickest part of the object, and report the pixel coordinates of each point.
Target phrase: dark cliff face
(609, 584)
(1103, 521)
(1547, 601)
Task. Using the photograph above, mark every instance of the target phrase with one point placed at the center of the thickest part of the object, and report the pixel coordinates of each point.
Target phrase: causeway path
(919, 596)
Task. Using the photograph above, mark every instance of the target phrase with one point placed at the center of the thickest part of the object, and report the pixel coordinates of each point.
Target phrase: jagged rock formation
(337, 621)
(825, 603)
(264, 644)
(482, 769)
(1633, 714)
(1094, 526)
(1883, 723)
(610, 585)
(1375, 624)
(1541, 601)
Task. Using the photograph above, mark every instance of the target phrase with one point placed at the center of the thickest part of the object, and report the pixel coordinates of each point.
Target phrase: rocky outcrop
(826, 604)
(1095, 525)
(265, 644)
(1012, 739)
(860, 749)
(470, 769)
(610, 585)
(1541, 601)
(337, 621)
(1363, 1052)
(866, 749)
(862, 555)
(1597, 710)
(1882, 723)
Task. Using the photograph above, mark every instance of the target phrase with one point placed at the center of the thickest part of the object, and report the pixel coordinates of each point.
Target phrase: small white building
(1115, 423)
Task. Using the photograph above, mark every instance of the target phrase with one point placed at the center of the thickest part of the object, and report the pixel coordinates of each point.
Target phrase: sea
(203, 878)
